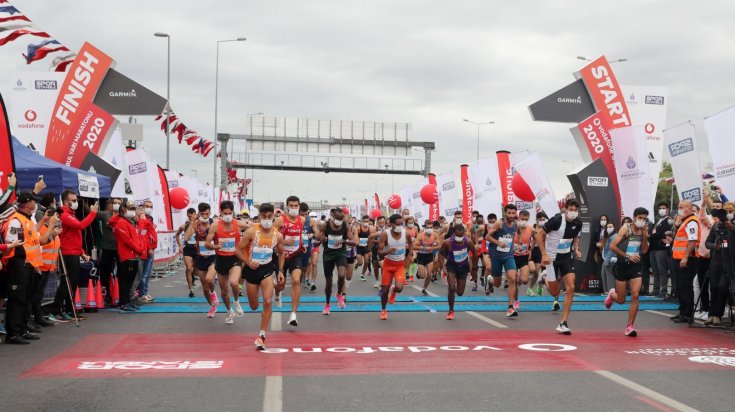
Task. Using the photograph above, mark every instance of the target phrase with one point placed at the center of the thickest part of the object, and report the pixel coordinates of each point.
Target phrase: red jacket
(145, 227)
(71, 231)
(152, 234)
(129, 244)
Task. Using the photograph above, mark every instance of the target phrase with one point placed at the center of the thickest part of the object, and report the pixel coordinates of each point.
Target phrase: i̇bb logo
(30, 115)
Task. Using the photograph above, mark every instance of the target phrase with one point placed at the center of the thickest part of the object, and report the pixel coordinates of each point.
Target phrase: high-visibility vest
(49, 252)
(32, 243)
(679, 248)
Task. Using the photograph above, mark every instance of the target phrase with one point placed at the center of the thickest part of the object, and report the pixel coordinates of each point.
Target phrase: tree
(665, 191)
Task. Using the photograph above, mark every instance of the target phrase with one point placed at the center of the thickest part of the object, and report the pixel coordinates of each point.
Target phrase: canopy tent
(58, 177)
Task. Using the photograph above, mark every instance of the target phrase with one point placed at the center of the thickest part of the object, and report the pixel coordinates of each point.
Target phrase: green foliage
(664, 190)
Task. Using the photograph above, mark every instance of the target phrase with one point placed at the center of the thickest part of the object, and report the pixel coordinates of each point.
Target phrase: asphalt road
(353, 361)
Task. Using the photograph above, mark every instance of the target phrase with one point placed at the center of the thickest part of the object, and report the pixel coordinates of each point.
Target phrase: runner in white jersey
(373, 242)
(396, 247)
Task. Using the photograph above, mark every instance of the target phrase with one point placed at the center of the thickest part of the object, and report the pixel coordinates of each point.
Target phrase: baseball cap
(26, 196)
(312, 214)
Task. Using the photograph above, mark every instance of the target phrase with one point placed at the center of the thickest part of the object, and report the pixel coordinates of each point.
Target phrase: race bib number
(508, 240)
(634, 248)
(294, 247)
(227, 245)
(262, 255)
(460, 255)
(203, 251)
(362, 242)
(305, 239)
(565, 246)
(398, 255)
(334, 241)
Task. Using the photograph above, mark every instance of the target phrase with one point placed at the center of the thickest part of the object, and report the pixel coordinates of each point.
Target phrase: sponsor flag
(40, 50)
(570, 104)
(168, 217)
(603, 87)
(505, 177)
(720, 129)
(377, 202)
(31, 97)
(448, 197)
(632, 168)
(433, 208)
(178, 216)
(647, 107)
(532, 170)
(367, 208)
(468, 196)
(7, 161)
(486, 186)
(120, 95)
(681, 147)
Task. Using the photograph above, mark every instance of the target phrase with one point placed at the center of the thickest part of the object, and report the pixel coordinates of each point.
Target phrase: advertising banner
(433, 208)
(7, 161)
(720, 129)
(486, 186)
(119, 95)
(166, 201)
(90, 132)
(468, 196)
(647, 107)
(505, 177)
(681, 147)
(532, 170)
(114, 154)
(139, 176)
(167, 247)
(178, 216)
(571, 104)
(88, 186)
(448, 198)
(80, 86)
(632, 168)
(604, 89)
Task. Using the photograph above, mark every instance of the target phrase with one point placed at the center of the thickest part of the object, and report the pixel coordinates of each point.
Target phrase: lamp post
(478, 124)
(216, 101)
(168, 93)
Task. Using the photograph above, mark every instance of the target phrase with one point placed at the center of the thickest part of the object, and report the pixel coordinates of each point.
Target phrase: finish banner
(532, 170)
(80, 86)
(632, 168)
(505, 177)
(91, 131)
(7, 161)
(602, 86)
(468, 196)
(720, 129)
(434, 207)
(681, 146)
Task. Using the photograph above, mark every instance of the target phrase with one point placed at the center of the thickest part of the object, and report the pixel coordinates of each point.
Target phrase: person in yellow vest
(48, 226)
(686, 241)
(22, 264)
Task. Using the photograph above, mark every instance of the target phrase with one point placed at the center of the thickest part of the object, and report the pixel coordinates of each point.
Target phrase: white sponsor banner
(178, 216)
(632, 168)
(532, 170)
(88, 186)
(406, 198)
(681, 148)
(115, 155)
(647, 107)
(449, 203)
(167, 247)
(720, 129)
(486, 186)
(139, 177)
(420, 210)
(30, 97)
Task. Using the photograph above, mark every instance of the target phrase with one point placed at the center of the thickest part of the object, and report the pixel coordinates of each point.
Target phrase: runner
(479, 231)
(223, 239)
(396, 246)
(534, 264)
(413, 231)
(425, 245)
(204, 262)
(188, 249)
(630, 244)
(363, 253)
(440, 232)
(500, 235)
(556, 240)
(314, 255)
(335, 235)
(373, 243)
(256, 249)
(307, 237)
(455, 253)
(351, 254)
(521, 253)
(291, 225)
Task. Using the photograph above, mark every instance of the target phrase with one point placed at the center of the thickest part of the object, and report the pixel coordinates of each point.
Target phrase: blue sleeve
(724, 198)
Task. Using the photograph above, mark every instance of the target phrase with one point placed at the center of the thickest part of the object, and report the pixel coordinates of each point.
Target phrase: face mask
(74, 205)
(148, 211)
(541, 222)
(203, 219)
(730, 216)
(337, 222)
(293, 212)
(523, 223)
(410, 225)
(227, 218)
(681, 212)
(572, 215)
(603, 222)
(116, 207)
(458, 238)
(429, 231)
(610, 230)
(662, 212)
(130, 214)
(640, 224)
(458, 221)
(397, 229)
(266, 223)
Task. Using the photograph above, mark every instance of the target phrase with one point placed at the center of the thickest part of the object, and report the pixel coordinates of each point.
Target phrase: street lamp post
(216, 101)
(478, 124)
(168, 93)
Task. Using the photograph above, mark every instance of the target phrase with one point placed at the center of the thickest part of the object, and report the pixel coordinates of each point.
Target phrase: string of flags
(198, 143)
(15, 25)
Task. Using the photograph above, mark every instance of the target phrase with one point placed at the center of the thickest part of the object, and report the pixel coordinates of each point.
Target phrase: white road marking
(487, 320)
(645, 391)
(276, 322)
(273, 394)
(655, 312)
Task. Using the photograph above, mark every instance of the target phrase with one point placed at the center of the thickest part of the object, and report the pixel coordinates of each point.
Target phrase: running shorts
(362, 250)
(561, 268)
(424, 259)
(295, 262)
(625, 271)
(190, 251)
(521, 261)
(393, 270)
(460, 271)
(255, 276)
(498, 265)
(351, 260)
(330, 265)
(204, 262)
(223, 264)
(536, 255)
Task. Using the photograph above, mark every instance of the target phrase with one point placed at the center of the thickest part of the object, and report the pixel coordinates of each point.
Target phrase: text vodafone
(535, 347)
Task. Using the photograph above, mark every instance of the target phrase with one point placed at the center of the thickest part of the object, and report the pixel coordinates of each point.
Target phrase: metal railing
(338, 129)
(292, 160)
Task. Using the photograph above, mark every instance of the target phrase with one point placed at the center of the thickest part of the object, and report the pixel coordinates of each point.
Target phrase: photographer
(719, 240)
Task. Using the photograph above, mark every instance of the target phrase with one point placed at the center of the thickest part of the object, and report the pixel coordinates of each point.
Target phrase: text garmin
(77, 86)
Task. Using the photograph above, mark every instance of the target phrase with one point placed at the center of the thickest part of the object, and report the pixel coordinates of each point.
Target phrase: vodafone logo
(30, 115)
(649, 128)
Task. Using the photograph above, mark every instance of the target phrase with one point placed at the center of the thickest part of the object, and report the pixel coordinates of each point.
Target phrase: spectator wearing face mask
(703, 254)
(152, 237)
(660, 251)
(608, 257)
(108, 256)
(130, 248)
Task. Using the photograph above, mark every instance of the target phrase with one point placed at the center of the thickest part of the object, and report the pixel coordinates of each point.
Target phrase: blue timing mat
(418, 299)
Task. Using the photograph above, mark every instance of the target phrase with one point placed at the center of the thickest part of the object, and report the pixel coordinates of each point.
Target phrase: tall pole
(478, 124)
(168, 94)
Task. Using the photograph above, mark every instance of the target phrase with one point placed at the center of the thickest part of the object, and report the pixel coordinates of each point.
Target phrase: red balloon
(521, 188)
(429, 194)
(376, 213)
(345, 210)
(179, 198)
(394, 201)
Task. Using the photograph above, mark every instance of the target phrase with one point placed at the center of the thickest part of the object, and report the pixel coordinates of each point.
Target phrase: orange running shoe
(383, 314)
(392, 296)
(450, 315)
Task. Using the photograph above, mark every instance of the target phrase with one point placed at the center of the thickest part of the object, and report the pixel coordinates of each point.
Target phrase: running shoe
(213, 298)
(292, 320)
(630, 331)
(474, 287)
(563, 328)
(326, 309)
(230, 318)
(55, 318)
(376, 284)
(2, 330)
(308, 283)
(540, 290)
(362, 278)
(505, 284)
(341, 302)
(511, 313)
(356, 266)
(450, 315)
(424, 292)
(124, 309)
(191, 293)
(517, 305)
(392, 295)
(486, 285)
(482, 281)
(313, 288)
(529, 292)
(383, 314)
(212, 311)
(150, 298)
(609, 298)
(556, 306)
(238, 309)
(260, 343)
(279, 302)
(411, 279)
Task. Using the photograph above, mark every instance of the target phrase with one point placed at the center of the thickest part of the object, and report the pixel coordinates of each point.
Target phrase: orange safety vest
(679, 248)
(32, 243)
(49, 252)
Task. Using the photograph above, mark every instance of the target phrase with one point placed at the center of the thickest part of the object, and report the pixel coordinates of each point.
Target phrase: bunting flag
(191, 137)
(14, 24)
(39, 51)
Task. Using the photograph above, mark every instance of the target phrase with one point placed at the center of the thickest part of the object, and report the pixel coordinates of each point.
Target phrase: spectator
(143, 226)
(152, 237)
(48, 201)
(49, 222)
(130, 248)
(71, 250)
(703, 255)
(108, 252)
(660, 246)
(608, 258)
(684, 265)
(719, 241)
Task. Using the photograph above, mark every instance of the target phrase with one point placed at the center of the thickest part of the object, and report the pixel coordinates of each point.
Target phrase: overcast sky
(428, 63)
